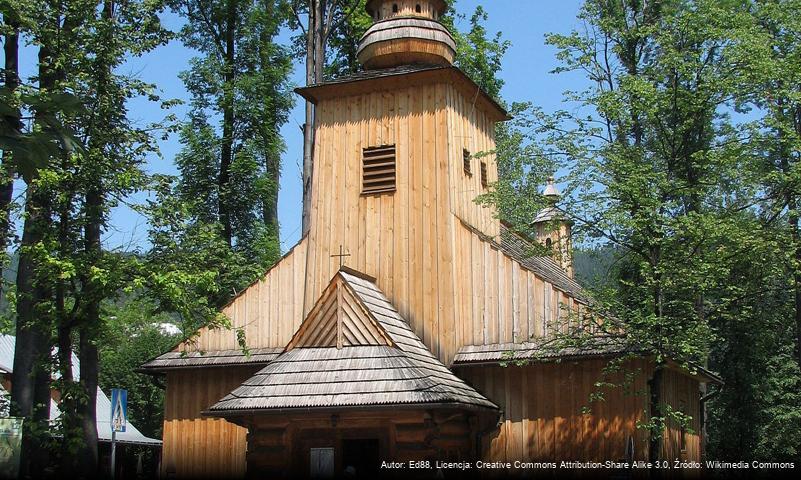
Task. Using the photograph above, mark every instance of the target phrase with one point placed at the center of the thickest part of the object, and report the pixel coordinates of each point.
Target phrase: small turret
(553, 229)
(406, 32)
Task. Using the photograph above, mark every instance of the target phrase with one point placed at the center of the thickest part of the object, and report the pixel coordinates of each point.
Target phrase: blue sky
(525, 71)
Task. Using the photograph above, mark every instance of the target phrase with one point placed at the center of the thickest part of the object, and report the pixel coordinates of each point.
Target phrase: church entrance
(354, 444)
(335, 453)
(362, 456)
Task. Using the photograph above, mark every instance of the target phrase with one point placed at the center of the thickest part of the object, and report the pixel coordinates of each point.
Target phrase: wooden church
(385, 333)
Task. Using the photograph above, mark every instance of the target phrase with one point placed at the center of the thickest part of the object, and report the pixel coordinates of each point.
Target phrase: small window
(466, 161)
(548, 243)
(484, 180)
(378, 173)
(417, 8)
(394, 8)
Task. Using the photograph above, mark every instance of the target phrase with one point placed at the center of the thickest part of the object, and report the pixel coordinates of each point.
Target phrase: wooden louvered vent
(378, 171)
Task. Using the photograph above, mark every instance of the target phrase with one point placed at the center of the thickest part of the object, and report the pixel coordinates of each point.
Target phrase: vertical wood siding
(196, 446)
(453, 287)
(680, 390)
(269, 310)
(544, 418)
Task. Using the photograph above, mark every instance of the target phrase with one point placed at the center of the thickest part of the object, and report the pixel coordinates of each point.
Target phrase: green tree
(349, 24)
(760, 346)
(231, 170)
(478, 54)
(240, 97)
(134, 333)
(653, 167)
(64, 273)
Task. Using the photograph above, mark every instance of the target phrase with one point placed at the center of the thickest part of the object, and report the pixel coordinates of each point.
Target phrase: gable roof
(339, 319)
(400, 371)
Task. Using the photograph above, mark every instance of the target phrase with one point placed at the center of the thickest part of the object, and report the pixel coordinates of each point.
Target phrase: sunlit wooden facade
(447, 267)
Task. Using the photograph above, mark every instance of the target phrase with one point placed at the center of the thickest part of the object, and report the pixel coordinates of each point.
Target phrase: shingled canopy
(218, 358)
(353, 349)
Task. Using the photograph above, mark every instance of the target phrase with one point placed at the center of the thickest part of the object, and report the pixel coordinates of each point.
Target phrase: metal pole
(113, 452)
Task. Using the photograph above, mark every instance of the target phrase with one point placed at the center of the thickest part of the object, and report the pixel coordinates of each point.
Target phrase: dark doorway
(363, 455)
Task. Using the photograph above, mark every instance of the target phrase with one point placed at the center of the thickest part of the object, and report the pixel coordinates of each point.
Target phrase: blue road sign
(119, 409)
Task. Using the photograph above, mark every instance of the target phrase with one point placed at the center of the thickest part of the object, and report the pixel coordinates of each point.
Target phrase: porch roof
(400, 371)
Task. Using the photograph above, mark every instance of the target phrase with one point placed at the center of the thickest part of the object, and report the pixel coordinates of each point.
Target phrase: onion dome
(406, 32)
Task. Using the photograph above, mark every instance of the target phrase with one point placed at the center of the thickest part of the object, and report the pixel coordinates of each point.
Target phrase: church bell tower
(402, 150)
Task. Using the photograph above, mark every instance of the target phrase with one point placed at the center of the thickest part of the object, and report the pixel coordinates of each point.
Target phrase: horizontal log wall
(279, 444)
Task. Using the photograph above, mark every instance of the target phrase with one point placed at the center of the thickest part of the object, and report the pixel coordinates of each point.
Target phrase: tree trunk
(272, 161)
(87, 411)
(68, 404)
(308, 126)
(226, 151)
(31, 376)
(92, 294)
(655, 406)
(794, 224)
(796, 240)
(270, 203)
(11, 53)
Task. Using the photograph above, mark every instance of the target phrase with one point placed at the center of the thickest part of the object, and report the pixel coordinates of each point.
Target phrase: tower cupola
(406, 32)
(554, 230)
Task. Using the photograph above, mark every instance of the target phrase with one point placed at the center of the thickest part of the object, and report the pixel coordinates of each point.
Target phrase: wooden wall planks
(452, 286)
(196, 446)
(269, 311)
(544, 420)
(682, 391)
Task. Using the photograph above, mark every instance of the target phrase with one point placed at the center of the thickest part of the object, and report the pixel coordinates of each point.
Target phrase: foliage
(343, 44)
(133, 334)
(189, 269)
(30, 148)
(654, 167)
(64, 274)
(477, 54)
(760, 350)
(230, 161)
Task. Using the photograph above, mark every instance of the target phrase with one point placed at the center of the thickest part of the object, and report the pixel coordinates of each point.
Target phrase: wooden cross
(341, 255)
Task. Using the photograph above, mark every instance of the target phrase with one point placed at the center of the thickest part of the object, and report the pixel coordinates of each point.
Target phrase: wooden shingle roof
(541, 350)
(546, 268)
(394, 368)
(214, 358)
